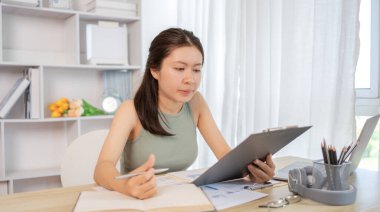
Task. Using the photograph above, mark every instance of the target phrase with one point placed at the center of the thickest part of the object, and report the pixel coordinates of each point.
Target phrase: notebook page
(179, 196)
(106, 200)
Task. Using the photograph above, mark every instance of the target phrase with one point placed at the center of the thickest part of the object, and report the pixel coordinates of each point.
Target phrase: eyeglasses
(282, 202)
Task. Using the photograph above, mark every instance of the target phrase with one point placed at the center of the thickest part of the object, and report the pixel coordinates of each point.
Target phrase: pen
(126, 176)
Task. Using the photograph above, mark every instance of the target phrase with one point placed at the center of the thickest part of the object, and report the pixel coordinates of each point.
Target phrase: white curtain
(272, 63)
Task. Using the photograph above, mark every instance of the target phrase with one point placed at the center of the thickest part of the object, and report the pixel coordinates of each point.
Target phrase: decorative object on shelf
(18, 88)
(107, 43)
(26, 3)
(59, 4)
(90, 110)
(119, 81)
(111, 101)
(75, 108)
(59, 108)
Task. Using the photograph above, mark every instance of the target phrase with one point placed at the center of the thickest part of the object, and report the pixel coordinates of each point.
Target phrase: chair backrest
(80, 158)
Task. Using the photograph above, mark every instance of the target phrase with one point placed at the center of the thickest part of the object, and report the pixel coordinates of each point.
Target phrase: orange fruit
(52, 107)
(55, 114)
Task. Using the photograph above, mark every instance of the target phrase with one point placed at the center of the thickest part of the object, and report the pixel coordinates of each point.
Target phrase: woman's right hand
(143, 186)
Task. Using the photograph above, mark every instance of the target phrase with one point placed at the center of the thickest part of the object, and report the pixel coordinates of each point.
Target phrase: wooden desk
(367, 197)
(64, 199)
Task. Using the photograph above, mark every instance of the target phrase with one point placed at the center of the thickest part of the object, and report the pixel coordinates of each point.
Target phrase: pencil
(126, 176)
(334, 155)
(342, 153)
(326, 151)
(331, 155)
(323, 152)
(349, 153)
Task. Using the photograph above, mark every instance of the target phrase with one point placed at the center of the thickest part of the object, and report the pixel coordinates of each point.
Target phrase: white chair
(80, 158)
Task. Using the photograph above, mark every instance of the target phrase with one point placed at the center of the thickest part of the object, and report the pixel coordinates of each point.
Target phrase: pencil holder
(335, 175)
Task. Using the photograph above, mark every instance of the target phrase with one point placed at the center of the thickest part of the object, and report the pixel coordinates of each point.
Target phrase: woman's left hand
(260, 171)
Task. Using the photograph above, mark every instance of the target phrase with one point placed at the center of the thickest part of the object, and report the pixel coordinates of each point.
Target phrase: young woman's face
(180, 74)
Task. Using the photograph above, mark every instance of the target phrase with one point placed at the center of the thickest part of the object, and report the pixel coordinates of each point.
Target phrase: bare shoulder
(198, 99)
(127, 111)
(128, 105)
(197, 105)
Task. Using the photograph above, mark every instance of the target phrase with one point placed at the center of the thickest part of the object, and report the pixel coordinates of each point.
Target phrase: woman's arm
(142, 186)
(207, 126)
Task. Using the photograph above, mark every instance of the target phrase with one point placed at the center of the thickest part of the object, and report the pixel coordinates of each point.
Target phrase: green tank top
(176, 152)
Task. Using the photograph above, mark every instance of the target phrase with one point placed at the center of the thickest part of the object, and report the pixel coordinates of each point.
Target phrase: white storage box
(107, 44)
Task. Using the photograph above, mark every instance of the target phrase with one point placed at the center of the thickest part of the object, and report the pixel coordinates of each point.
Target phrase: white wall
(157, 15)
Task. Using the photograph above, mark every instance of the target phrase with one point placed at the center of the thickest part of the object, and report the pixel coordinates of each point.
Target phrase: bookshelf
(53, 41)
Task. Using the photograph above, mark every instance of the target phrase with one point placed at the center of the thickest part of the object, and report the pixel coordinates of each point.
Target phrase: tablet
(256, 146)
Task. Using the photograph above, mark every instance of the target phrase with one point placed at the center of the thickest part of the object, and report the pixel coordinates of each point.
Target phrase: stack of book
(115, 8)
(59, 4)
(28, 3)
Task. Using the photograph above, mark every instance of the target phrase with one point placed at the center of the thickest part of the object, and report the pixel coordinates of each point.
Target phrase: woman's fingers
(265, 167)
(270, 162)
(141, 184)
(257, 175)
(148, 193)
(262, 171)
(148, 189)
(148, 185)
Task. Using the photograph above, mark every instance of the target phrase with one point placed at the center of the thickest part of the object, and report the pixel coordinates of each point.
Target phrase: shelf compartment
(29, 146)
(38, 39)
(88, 125)
(73, 84)
(8, 76)
(35, 173)
(33, 184)
(4, 187)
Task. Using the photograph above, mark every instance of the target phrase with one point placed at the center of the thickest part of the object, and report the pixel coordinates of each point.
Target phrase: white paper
(232, 193)
(165, 180)
(188, 175)
(223, 199)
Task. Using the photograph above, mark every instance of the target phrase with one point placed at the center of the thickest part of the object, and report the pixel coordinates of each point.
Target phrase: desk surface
(64, 199)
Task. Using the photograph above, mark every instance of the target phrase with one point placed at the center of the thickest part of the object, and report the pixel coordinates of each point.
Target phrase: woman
(158, 128)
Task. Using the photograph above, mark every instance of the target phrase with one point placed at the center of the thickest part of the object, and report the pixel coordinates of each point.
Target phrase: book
(27, 3)
(114, 12)
(34, 93)
(59, 4)
(13, 95)
(183, 197)
(111, 4)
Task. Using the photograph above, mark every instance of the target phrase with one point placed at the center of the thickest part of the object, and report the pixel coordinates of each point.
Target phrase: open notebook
(183, 197)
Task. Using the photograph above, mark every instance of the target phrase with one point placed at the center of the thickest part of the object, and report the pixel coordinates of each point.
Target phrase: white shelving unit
(53, 41)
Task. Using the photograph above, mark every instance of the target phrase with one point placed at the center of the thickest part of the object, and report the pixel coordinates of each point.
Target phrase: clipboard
(256, 146)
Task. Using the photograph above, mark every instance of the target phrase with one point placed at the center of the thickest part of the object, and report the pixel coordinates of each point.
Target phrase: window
(367, 79)
(366, 76)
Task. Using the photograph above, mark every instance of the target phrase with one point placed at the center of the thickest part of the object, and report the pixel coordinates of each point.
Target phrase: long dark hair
(146, 98)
